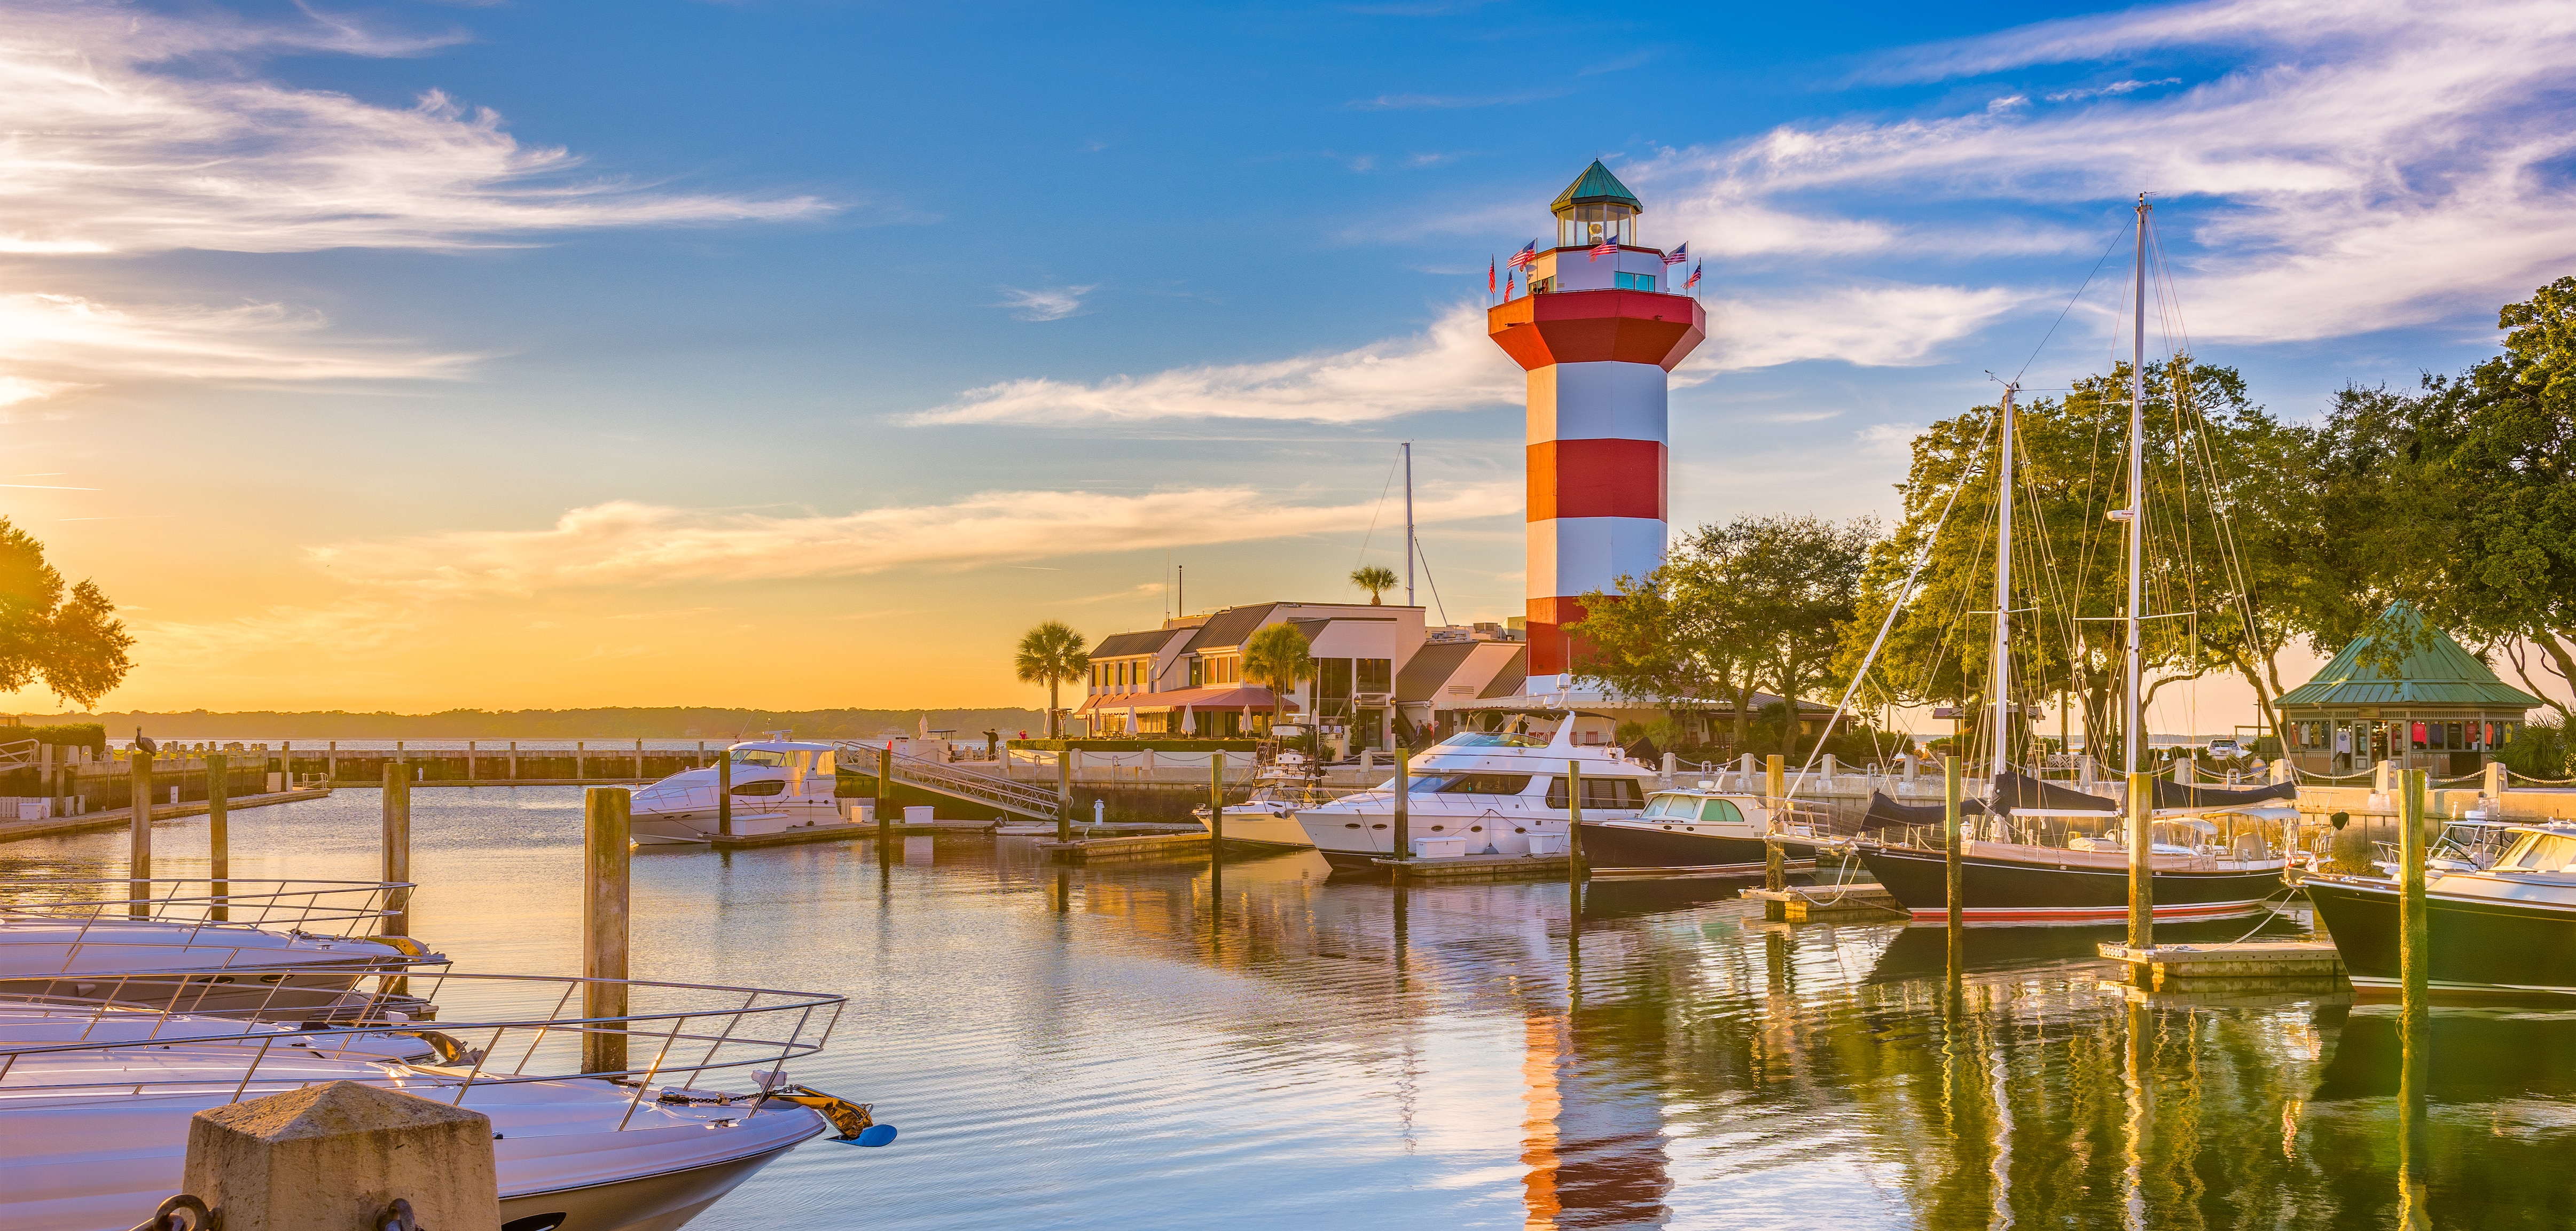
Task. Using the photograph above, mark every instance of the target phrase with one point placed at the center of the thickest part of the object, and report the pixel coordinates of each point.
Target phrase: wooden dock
(1126, 850)
(1858, 902)
(2244, 966)
(1474, 868)
(120, 818)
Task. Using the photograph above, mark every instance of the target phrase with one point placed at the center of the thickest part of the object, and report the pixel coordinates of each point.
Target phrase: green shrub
(2538, 750)
(88, 735)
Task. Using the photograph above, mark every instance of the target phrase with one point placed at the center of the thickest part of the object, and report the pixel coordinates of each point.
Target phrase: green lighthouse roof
(2434, 671)
(1596, 184)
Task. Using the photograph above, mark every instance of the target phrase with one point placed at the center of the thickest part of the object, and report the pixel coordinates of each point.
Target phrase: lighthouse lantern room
(1597, 335)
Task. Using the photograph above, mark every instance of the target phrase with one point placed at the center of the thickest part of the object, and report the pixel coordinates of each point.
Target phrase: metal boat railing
(492, 1030)
(312, 907)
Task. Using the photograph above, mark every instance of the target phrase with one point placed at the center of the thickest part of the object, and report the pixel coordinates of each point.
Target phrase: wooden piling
(639, 758)
(138, 860)
(2142, 867)
(2414, 953)
(1404, 804)
(724, 795)
(514, 760)
(1063, 793)
(886, 808)
(606, 832)
(579, 771)
(397, 921)
(1216, 803)
(1775, 867)
(1954, 878)
(1574, 824)
(470, 775)
(219, 834)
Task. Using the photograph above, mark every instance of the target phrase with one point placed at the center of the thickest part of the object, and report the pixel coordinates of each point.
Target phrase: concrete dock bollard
(337, 1156)
(397, 921)
(138, 865)
(219, 789)
(606, 831)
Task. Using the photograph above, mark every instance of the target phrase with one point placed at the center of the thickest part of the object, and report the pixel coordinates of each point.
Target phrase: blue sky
(521, 354)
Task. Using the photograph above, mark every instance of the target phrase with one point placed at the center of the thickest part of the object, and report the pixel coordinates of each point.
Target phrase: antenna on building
(1408, 523)
(1181, 587)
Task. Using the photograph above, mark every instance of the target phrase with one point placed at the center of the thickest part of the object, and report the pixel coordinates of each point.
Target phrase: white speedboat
(1482, 793)
(1268, 817)
(94, 1127)
(778, 784)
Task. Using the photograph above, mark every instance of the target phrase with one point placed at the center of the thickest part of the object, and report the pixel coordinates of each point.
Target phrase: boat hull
(1646, 847)
(662, 1202)
(1262, 827)
(2020, 892)
(2479, 946)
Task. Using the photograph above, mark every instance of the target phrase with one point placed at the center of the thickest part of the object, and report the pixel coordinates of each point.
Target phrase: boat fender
(851, 1118)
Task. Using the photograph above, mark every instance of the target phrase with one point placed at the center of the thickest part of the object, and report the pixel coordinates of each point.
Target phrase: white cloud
(1873, 326)
(113, 149)
(355, 629)
(63, 335)
(1451, 366)
(1051, 304)
(2113, 90)
(625, 543)
(2365, 166)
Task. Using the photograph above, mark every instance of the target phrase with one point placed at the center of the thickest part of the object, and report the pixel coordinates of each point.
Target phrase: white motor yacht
(778, 784)
(1481, 793)
(94, 1115)
(81, 938)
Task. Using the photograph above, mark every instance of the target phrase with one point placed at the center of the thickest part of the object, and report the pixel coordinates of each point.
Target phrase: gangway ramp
(939, 777)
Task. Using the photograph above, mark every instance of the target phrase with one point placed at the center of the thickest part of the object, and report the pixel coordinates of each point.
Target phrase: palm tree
(1276, 656)
(1052, 654)
(1376, 579)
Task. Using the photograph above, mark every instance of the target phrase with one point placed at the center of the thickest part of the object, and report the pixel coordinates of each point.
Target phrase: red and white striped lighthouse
(1597, 333)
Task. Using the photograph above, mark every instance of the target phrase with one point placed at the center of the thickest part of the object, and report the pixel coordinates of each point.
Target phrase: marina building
(1188, 677)
(2438, 707)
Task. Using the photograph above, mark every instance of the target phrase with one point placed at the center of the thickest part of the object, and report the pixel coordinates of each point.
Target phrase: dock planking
(11, 831)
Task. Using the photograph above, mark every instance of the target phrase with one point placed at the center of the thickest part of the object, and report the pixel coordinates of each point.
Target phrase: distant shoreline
(711, 723)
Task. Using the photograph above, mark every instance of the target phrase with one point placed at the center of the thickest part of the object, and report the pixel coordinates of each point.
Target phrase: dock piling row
(138, 860)
(219, 832)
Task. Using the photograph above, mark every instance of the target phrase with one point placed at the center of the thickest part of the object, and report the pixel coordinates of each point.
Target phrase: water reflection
(1184, 1044)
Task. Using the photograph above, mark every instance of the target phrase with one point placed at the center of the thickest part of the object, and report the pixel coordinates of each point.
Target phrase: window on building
(1333, 687)
(1541, 286)
(1198, 669)
(1633, 282)
(1372, 675)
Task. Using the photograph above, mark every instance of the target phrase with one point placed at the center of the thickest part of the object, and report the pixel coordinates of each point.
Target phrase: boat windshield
(758, 756)
(1462, 784)
(1493, 739)
(2547, 852)
(1682, 806)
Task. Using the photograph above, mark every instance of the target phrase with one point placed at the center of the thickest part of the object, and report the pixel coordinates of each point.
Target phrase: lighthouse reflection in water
(1155, 1046)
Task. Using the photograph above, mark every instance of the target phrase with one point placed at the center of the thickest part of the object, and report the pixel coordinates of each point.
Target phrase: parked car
(2225, 746)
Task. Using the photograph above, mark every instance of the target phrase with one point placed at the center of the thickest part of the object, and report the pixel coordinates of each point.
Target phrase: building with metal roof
(2404, 692)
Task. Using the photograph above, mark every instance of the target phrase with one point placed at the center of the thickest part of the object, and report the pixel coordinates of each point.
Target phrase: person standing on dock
(992, 744)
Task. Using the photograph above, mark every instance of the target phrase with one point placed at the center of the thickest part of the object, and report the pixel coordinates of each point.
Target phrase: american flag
(1678, 256)
(1607, 247)
(1694, 278)
(1527, 256)
(1509, 282)
(1489, 275)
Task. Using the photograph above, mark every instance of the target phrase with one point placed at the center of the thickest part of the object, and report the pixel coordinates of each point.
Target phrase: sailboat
(2034, 861)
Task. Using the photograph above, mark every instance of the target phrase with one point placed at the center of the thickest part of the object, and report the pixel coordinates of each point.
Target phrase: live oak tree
(68, 638)
(2225, 517)
(1051, 654)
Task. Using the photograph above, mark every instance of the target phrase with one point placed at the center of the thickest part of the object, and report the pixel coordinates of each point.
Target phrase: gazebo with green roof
(2442, 709)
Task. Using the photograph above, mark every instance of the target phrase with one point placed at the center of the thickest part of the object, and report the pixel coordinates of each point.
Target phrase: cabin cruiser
(1268, 816)
(94, 1114)
(1701, 831)
(778, 784)
(1481, 793)
(2504, 930)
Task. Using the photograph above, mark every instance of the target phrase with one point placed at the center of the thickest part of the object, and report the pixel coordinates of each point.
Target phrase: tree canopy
(1051, 654)
(67, 637)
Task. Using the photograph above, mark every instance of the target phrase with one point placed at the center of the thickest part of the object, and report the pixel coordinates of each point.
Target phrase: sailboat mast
(1408, 523)
(2132, 725)
(1999, 658)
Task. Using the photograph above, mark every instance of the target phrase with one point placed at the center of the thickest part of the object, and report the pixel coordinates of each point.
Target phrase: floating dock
(1126, 850)
(1474, 868)
(1862, 901)
(2245, 966)
(119, 818)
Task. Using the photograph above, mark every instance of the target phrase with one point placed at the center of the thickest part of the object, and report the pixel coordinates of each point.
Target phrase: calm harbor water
(1153, 1047)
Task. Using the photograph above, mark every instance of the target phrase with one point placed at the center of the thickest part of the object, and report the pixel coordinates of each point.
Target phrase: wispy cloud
(2365, 166)
(1049, 304)
(131, 133)
(625, 543)
(1451, 366)
(2113, 90)
(1449, 102)
(1872, 326)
